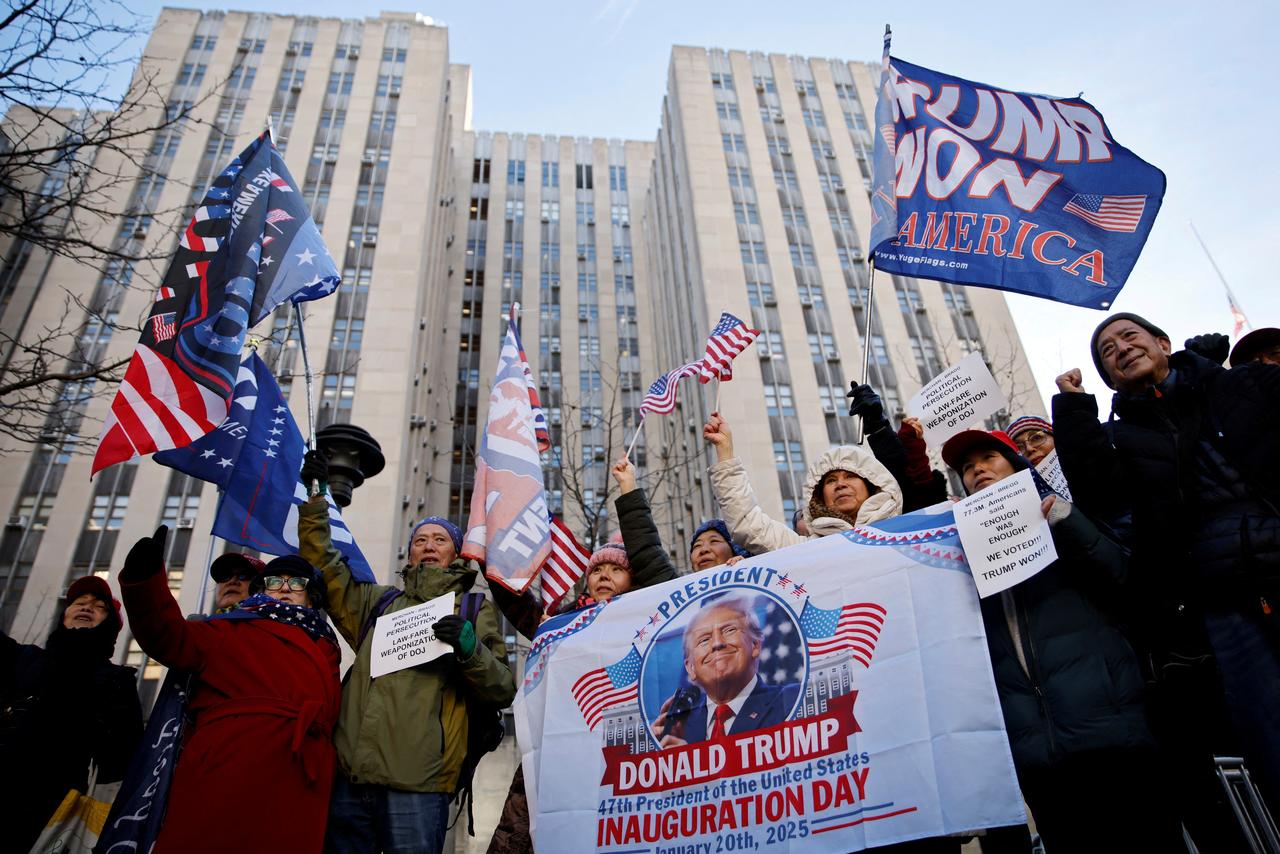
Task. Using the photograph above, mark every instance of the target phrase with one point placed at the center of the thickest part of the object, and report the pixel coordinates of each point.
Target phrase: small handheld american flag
(730, 337)
(661, 397)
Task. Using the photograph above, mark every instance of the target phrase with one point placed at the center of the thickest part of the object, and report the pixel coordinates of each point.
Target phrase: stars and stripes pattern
(730, 337)
(565, 566)
(854, 627)
(605, 687)
(1110, 213)
(661, 397)
(223, 279)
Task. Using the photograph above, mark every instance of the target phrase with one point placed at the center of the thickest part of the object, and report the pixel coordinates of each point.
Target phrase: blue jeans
(364, 819)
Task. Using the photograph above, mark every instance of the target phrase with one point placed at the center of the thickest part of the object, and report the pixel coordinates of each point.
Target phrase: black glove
(457, 633)
(1214, 346)
(864, 401)
(146, 558)
(315, 466)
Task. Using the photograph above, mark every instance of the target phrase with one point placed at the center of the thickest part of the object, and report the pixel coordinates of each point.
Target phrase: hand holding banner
(1005, 536)
(956, 399)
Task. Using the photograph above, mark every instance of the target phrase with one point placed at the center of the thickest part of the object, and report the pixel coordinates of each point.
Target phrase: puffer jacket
(1201, 457)
(757, 533)
(407, 729)
(1077, 685)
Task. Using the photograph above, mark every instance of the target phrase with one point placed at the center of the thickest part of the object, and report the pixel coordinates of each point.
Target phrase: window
(618, 178)
(582, 177)
(515, 171)
(550, 211)
(788, 456)
(777, 400)
(733, 142)
(550, 173)
(753, 252)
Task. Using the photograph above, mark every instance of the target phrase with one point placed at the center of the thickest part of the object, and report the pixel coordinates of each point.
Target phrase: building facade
(621, 254)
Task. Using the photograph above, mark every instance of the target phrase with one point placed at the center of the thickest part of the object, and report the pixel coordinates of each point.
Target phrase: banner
(1026, 193)
(831, 696)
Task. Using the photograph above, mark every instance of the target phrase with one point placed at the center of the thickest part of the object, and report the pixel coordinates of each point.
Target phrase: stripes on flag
(661, 397)
(605, 687)
(1110, 213)
(730, 337)
(854, 627)
(567, 563)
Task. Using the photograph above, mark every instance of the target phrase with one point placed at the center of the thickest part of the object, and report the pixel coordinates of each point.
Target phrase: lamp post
(354, 455)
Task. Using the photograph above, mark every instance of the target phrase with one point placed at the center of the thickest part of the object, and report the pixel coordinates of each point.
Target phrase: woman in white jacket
(845, 487)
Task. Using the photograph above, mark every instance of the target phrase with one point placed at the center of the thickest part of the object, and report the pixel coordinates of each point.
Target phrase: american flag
(730, 337)
(1237, 315)
(1110, 213)
(540, 431)
(163, 326)
(564, 567)
(661, 397)
(606, 687)
(854, 627)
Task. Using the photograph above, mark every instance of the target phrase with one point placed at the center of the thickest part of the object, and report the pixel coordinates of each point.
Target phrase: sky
(1186, 86)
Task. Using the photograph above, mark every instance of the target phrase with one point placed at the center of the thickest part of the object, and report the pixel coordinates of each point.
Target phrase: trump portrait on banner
(722, 646)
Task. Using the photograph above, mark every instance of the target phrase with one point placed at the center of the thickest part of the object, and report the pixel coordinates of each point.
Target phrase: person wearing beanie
(711, 546)
(402, 738)
(1188, 465)
(1070, 686)
(63, 706)
(1033, 435)
(845, 487)
(261, 710)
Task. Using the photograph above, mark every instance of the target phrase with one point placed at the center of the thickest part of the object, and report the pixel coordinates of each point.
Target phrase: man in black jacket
(1190, 459)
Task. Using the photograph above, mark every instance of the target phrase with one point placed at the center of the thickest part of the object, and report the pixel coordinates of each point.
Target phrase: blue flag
(250, 246)
(1008, 190)
(254, 457)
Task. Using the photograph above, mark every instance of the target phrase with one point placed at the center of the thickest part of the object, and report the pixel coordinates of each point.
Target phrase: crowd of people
(1149, 646)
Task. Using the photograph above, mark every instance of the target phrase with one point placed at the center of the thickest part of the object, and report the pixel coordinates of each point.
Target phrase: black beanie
(1120, 315)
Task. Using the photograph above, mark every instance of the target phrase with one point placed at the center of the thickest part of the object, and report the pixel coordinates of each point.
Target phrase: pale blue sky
(1187, 86)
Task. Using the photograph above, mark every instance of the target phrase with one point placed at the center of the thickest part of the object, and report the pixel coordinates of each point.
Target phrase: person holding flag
(398, 799)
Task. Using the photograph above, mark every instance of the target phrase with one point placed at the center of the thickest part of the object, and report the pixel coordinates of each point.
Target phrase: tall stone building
(621, 254)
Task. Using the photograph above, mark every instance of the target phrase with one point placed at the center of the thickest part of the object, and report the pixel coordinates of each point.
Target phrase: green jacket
(408, 729)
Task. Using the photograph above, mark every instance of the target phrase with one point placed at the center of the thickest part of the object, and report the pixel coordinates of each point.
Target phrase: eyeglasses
(1032, 439)
(277, 582)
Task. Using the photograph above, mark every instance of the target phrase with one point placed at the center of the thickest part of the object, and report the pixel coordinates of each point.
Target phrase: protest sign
(1050, 469)
(1005, 536)
(873, 718)
(956, 399)
(404, 638)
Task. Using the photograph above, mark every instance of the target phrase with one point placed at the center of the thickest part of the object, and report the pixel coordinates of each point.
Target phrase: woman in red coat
(261, 715)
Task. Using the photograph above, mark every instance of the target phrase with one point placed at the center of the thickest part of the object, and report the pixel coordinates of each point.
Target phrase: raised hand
(716, 431)
(1071, 382)
(146, 558)
(625, 474)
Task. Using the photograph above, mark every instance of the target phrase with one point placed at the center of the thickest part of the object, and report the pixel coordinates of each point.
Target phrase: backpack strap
(379, 608)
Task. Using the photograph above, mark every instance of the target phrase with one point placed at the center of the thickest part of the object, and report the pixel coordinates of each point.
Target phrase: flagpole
(1214, 264)
(306, 368)
(866, 339)
(639, 426)
(204, 575)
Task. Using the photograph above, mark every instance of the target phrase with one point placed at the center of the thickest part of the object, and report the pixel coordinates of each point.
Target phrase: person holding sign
(1069, 684)
(402, 737)
(262, 711)
(843, 488)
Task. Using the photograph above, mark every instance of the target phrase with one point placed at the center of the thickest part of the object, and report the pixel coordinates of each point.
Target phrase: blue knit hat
(451, 529)
(722, 529)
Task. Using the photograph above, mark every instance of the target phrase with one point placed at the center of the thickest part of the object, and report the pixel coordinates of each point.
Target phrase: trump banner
(509, 530)
(832, 696)
(1027, 193)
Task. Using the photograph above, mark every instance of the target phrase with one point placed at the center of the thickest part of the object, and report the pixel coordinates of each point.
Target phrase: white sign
(873, 718)
(1050, 469)
(407, 637)
(956, 399)
(1005, 536)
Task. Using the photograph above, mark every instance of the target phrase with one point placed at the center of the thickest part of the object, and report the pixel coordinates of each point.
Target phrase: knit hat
(1248, 347)
(294, 566)
(1120, 315)
(99, 589)
(1028, 422)
(614, 553)
(722, 529)
(450, 528)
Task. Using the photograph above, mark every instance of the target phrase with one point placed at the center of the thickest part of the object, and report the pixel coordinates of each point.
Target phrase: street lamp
(353, 456)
